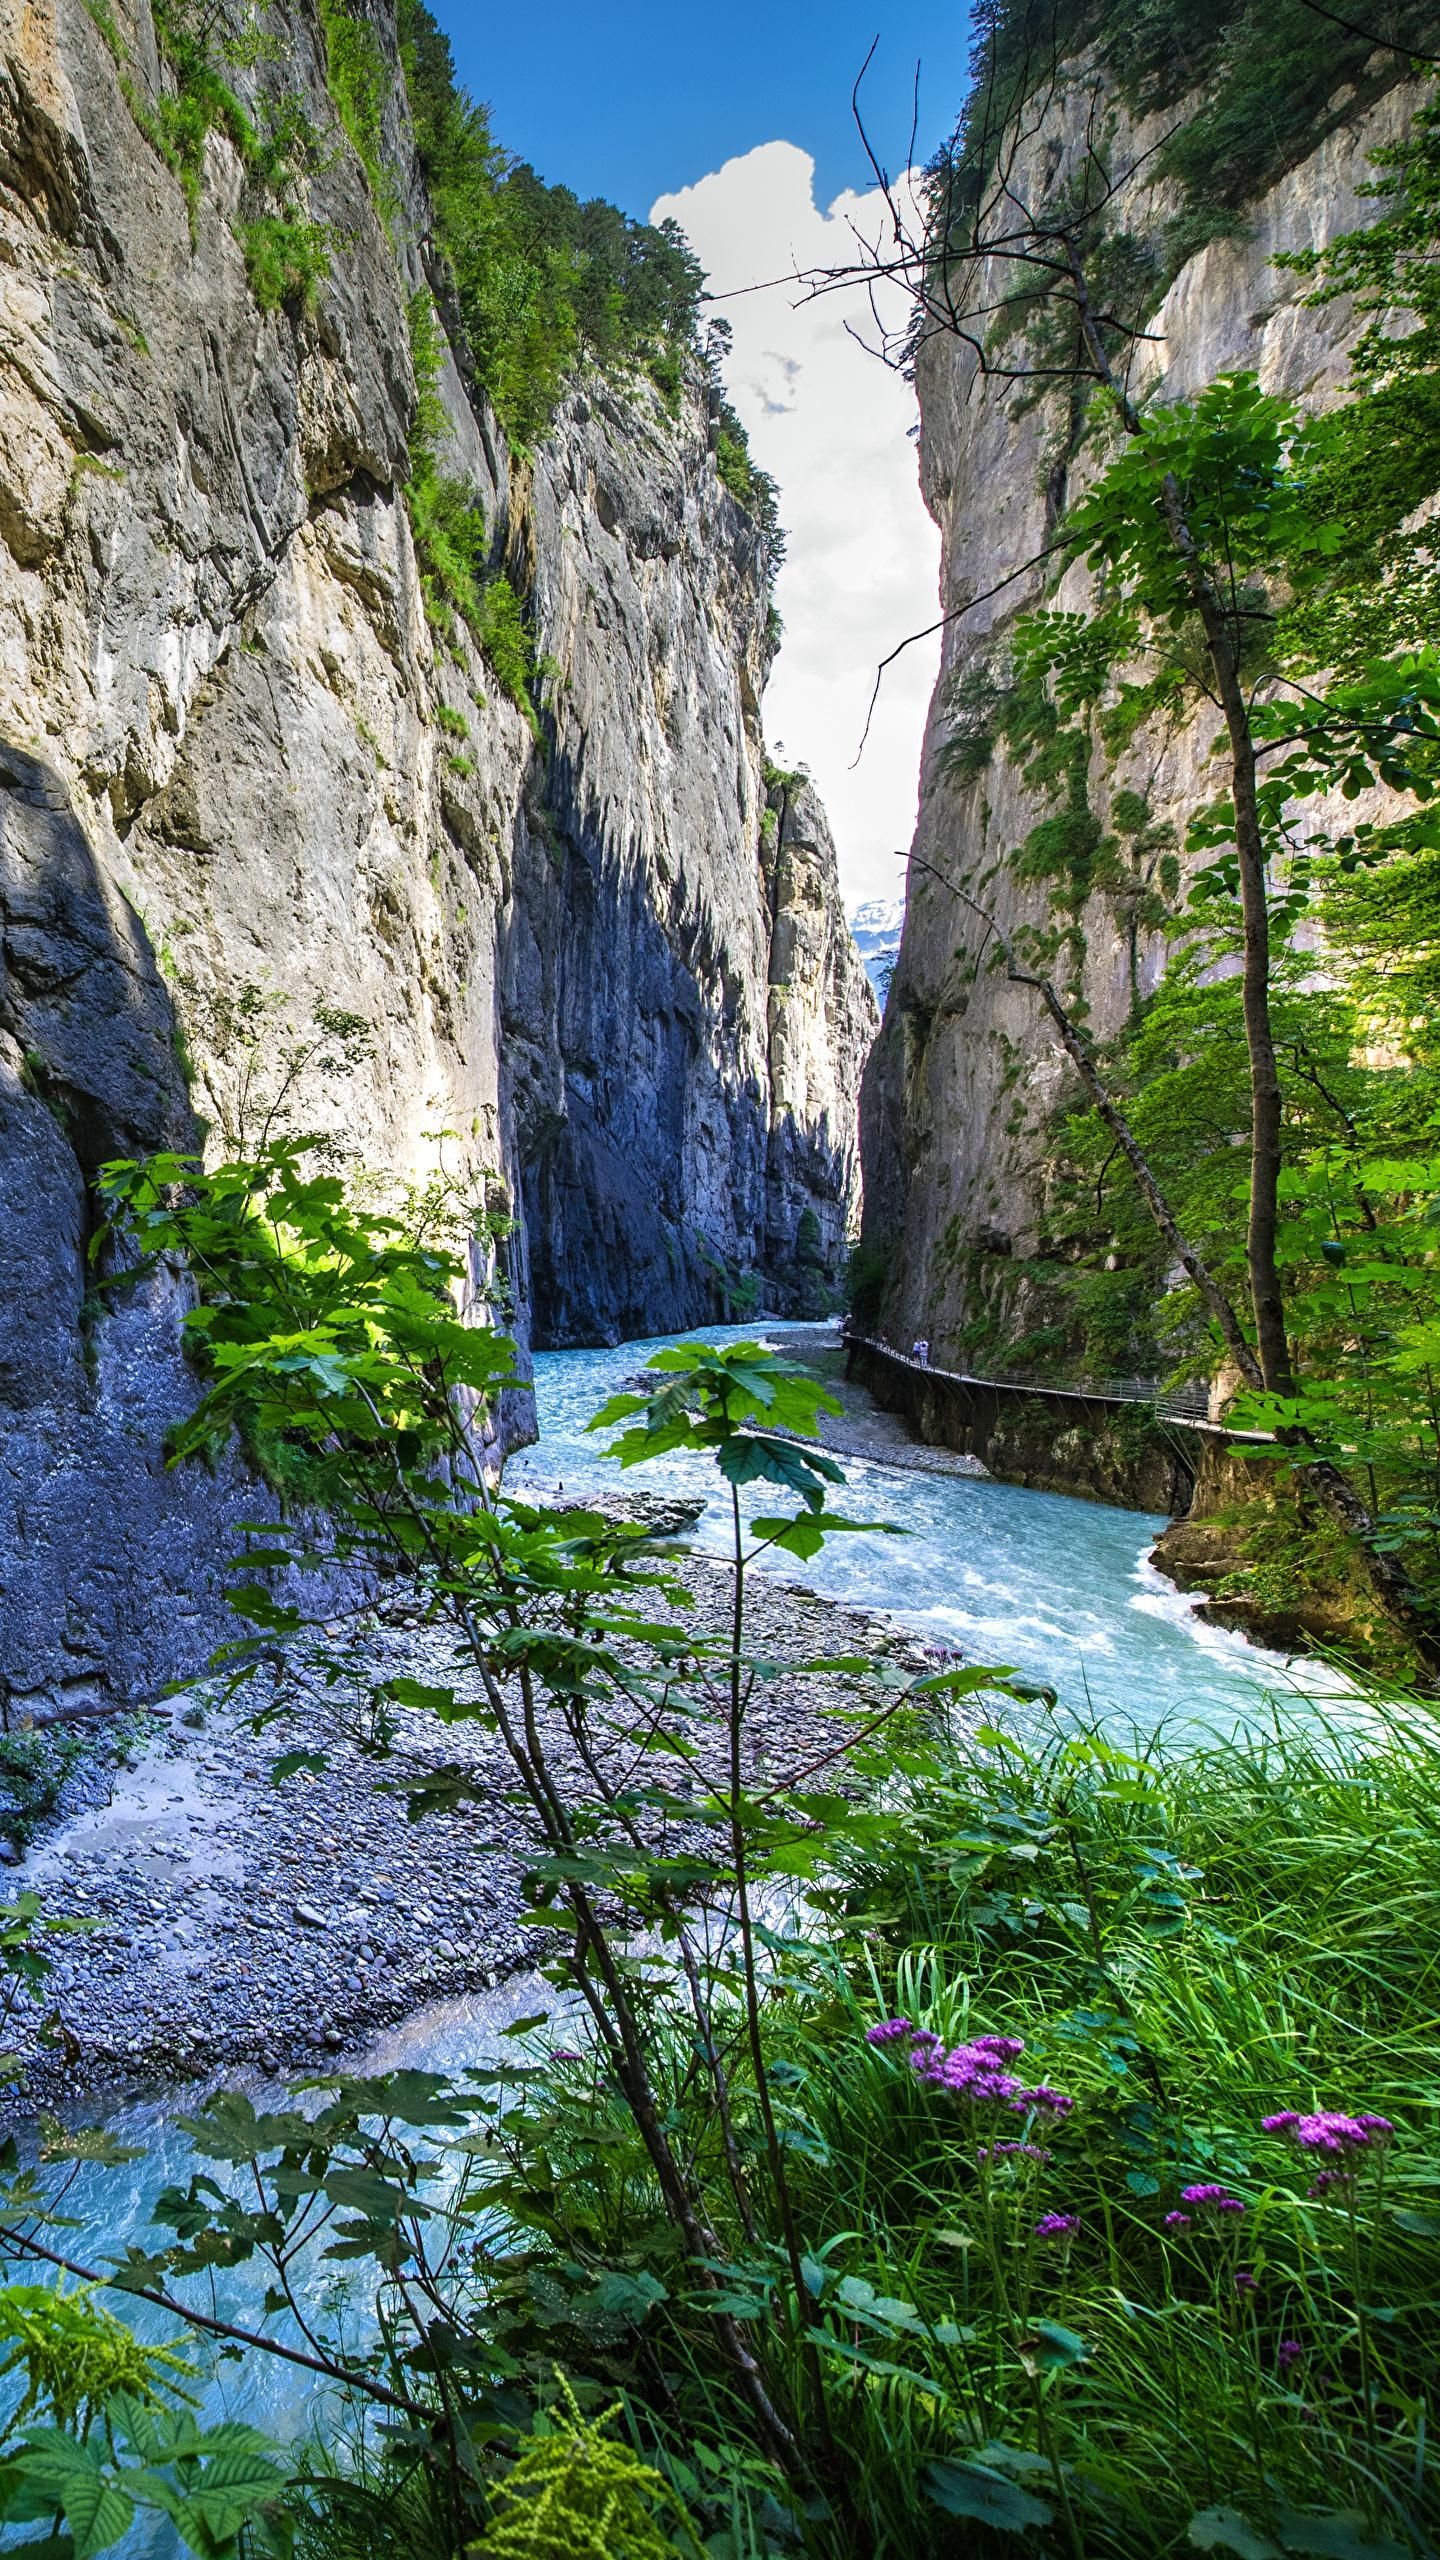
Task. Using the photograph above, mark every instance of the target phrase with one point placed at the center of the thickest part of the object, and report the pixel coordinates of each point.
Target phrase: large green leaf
(78, 2481)
(1051, 2349)
(984, 2496)
(746, 1458)
(1342, 2536)
(1225, 2529)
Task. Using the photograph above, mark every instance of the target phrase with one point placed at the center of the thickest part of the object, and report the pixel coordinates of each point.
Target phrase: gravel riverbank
(249, 1922)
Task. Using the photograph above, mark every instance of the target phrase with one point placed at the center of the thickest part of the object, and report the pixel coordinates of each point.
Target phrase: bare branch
(953, 616)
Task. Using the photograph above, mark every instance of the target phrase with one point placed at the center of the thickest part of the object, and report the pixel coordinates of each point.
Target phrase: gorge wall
(267, 836)
(962, 1084)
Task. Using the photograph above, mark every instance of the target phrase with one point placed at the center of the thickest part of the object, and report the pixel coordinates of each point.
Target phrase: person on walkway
(921, 1353)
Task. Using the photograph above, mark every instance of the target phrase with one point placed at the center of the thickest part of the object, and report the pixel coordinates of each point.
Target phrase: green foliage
(287, 256)
(286, 259)
(1042, 698)
(507, 644)
(1277, 80)
(76, 2356)
(33, 1770)
(359, 82)
(25, 1966)
(573, 2493)
(211, 2486)
(362, 1299)
(1264, 80)
(1322, 592)
(450, 537)
(1376, 460)
(199, 98)
(750, 487)
(544, 282)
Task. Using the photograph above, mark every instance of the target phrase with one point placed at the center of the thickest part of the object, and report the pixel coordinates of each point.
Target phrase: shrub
(285, 260)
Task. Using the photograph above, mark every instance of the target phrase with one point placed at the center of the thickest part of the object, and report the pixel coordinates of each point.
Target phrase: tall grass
(1186, 1943)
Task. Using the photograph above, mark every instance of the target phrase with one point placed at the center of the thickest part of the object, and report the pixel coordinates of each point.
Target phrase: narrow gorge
(719, 1620)
(281, 831)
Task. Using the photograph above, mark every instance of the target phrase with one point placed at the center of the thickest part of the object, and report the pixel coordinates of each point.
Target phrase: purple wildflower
(975, 2072)
(1211, 2200)
(1177, 2221)
(1330, 2179)
(1057, 2226)
(562, 2053)
(1340, 2137)
(1246, 2280)
(890, 2031)
(1046, 2101)
(1289, 2352)
(1010, 2151)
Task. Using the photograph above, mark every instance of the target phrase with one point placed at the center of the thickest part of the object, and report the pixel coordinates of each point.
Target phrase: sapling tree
(658, 1834)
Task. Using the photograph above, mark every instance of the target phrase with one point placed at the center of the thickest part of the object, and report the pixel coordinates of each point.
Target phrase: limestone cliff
(967, 1069)
(261, 826)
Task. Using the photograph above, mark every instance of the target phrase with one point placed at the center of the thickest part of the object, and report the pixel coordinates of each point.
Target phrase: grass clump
(286, 259)
(1076, 2286)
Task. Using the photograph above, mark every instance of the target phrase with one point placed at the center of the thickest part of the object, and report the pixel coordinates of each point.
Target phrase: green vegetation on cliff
(1326, 534)
(1246, 88)
(546, 284)
(544, 281)
(1244, 1183)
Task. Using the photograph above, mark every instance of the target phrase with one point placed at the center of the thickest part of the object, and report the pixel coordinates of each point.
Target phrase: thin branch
(346, 2375)
(954, 615)
(1367, 35)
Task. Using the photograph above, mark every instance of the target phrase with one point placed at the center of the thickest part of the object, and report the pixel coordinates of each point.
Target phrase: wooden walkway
(1189, 1408)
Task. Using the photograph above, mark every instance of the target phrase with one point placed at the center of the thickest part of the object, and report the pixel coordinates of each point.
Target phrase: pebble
(306, 1915)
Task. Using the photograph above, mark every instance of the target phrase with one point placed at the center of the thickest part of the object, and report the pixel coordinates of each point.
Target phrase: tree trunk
(1266, 1295)
(1392, 1584)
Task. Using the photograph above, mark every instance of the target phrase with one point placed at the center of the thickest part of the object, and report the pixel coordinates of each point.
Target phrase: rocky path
(245, 1921)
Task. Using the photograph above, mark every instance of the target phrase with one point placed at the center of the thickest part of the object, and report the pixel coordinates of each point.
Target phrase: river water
(1053, 1587)
(1057, 1588)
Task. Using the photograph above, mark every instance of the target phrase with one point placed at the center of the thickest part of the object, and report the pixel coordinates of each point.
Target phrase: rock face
(967, 1068)
(263, 838)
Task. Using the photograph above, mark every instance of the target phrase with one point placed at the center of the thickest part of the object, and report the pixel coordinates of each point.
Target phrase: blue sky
(633, 99)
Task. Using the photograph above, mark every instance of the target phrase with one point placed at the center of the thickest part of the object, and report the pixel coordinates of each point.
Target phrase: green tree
(1214, 543)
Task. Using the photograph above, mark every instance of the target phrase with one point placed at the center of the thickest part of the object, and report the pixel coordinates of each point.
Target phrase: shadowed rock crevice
(109, 1574)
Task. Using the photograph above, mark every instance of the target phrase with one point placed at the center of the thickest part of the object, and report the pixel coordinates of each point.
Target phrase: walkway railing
(1189, 1406)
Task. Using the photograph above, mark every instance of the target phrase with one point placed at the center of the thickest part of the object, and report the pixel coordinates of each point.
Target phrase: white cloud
(830, 421)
